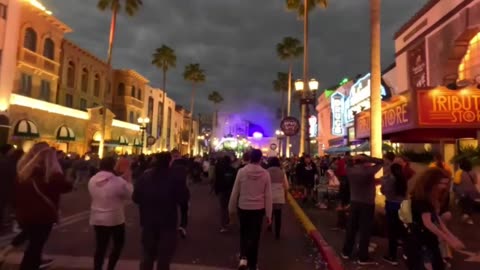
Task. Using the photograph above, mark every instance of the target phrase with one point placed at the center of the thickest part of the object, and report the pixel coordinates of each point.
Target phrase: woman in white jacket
(109, 193)
(280, 187)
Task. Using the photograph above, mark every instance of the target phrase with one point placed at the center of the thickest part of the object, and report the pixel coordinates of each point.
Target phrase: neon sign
(359, 98)
(313, 126)
(337, 104)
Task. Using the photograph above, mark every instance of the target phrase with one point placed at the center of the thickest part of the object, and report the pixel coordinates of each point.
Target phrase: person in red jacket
(40, 182)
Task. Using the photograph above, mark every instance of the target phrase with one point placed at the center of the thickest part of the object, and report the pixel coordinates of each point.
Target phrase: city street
(72, 242)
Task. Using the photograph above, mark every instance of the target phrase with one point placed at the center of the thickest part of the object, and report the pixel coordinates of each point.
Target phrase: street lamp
(305, 102)
(143, 121)
(280, 136)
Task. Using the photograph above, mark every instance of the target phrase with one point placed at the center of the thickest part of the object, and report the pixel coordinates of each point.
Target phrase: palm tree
(375, 97)
(302, 8)
(164, 58)
(280, 85)
(216, 98)
(131, 7)
(195, 75)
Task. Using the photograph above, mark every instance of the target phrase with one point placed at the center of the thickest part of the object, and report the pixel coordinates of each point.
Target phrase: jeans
(250, 229)
(102, 237)
(184, 215)
(277, 219)
(395, 228)
(361, 222)
(223, 198)
(37, 236)
(344, 191)
(157, 246)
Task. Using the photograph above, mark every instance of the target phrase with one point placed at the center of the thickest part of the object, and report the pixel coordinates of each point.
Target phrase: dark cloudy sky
(234, 41)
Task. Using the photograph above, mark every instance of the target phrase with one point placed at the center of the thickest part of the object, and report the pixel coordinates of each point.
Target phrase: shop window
(49, 49)
(26, 84)
(131, 118)
(96, 85)
(71, 74)
(83, 104)
(30, 41)
(139, 94)
(133, 92)
(45, 90)
(69, 100)
(84, 80)
(469, 67)
(121, 90)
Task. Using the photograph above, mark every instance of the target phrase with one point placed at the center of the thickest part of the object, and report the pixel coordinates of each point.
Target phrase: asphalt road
(72, 242)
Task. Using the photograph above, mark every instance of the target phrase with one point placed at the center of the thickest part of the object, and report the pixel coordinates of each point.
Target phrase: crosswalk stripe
(67, 262)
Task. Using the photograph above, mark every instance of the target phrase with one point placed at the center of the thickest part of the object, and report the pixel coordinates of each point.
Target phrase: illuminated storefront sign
(359, 98)
(396, 116)
(337, 104)
(313, 126)
(443, 107)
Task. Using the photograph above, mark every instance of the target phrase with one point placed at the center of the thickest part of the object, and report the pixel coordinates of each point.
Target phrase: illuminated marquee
(337, 104)
(313, 126)
(359, 98)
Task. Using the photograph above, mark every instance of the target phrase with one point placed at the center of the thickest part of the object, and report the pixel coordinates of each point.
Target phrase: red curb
(328, 254)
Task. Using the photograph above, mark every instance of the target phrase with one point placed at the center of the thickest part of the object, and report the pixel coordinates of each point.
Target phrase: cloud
(234, 42)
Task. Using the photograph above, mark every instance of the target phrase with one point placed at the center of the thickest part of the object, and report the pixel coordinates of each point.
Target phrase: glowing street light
(306, 100)
(143, 121)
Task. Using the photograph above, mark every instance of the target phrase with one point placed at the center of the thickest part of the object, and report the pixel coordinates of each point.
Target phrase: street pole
(289, 105)
(144, 143)
(375, 97)
(304, 107)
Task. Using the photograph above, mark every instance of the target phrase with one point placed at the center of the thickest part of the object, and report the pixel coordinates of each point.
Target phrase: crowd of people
(250, 191)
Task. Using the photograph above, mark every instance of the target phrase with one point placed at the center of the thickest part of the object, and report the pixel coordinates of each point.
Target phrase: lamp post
(143, 121)
(305, 103)
(280, 136)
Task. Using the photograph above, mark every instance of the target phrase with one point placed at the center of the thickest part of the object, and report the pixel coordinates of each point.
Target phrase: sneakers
(345, 257)
(46, 263)
(467, 219)
(322, 206)
(183, 232)
(390, 260)
(242, 265)
(367, 262)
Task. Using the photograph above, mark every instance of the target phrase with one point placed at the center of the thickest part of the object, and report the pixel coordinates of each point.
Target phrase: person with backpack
(425, 228)
(394, 187)
(225, 179)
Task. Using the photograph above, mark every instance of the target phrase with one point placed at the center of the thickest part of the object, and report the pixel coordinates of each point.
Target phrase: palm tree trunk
(111, 41)
(304, 122)
(282, 103)
(190, 129)
(375, 97)
(163, 139)
(289, 105)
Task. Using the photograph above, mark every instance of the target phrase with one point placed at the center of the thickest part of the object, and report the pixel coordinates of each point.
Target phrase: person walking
(225, 179)
(179, 163)
(158, 193)
(307, 174)
(252, 199)
(40, 182)
(7, 183)
(362, 190)
(280, 188)
(465, 190)
(394, 187)
(109, 194)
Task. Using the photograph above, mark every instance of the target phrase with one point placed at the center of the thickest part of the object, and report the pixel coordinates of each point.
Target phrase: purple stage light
(257, 135)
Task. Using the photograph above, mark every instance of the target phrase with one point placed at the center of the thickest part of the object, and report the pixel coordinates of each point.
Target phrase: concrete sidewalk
(325, 220)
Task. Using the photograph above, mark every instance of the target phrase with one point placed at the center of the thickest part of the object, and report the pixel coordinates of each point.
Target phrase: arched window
(49, 49)
(30, 41)
(469, 68)
(139, 94)
(71, 74)
(133, 91)
(84, 80)
(121, 90)
(96, 85)
(131, 118)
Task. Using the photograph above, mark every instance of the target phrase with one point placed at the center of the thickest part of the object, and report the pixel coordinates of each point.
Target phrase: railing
(39, 61)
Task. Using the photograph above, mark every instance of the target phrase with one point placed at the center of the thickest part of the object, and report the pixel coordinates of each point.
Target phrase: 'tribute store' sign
(359, 98)
(338, 108)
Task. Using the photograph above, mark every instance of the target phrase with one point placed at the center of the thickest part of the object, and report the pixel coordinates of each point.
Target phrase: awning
(26, 128)
(366, 147)
(338, 149)
(65, 133)
(137, 142)
(122, 140)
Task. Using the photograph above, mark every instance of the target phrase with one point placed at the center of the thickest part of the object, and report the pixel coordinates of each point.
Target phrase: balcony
(127, 100)
(38, 61)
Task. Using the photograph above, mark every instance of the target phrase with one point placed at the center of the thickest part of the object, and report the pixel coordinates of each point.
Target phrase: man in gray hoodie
(252, 199)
